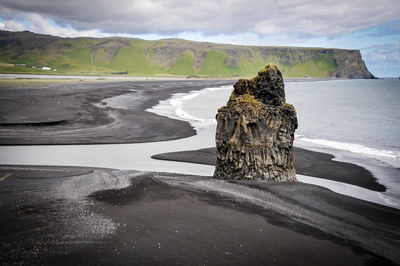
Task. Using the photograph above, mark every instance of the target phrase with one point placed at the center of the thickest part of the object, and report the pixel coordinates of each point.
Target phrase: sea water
(323, 109)
(357, 121)
(359, 116)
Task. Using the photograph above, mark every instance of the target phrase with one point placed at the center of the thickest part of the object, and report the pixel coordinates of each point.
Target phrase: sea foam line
(387, 156)
(356, 148)
(173, 107)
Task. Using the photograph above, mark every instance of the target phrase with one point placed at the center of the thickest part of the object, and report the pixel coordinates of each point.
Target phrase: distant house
(46, 68)
(21, 65)
(33, 67)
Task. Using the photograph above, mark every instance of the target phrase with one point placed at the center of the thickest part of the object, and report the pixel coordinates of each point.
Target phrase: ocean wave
(176, 107)
(173, 107)
(355, 148)
(390, 157)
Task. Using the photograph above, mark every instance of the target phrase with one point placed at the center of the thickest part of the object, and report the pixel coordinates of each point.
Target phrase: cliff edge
(27, 52)
(255, 130)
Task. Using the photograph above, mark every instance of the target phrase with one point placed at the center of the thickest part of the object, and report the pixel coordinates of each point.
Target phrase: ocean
(359, 116)
(357, 121)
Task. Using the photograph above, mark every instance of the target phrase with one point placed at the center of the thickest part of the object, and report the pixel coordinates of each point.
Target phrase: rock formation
(255, 130)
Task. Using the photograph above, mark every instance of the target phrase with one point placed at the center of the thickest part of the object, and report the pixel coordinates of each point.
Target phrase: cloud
(12, 25)
(388, 53)
(263, 17)
(41, 25)
(37, 23)
(384, 60)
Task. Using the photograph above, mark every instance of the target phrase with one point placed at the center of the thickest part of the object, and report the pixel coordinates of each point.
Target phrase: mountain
(27, 52)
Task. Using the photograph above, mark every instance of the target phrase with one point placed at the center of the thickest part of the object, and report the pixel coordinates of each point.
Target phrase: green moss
(245, 102)
(269, 67)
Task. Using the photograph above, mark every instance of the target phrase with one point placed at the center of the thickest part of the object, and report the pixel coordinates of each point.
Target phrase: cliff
(255, 131)
(177, 57)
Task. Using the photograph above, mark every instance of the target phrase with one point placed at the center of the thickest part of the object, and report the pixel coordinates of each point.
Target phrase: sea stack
(255, 130)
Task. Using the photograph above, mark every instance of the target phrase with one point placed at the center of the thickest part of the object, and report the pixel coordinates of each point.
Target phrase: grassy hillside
(26, 52)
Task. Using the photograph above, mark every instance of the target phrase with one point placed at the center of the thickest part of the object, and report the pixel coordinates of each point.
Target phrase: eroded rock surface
(255, 130)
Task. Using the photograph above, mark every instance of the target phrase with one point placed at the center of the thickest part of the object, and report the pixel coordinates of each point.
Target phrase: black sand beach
(91, 216)
(73, 113)
(307, 162)
(173, 219)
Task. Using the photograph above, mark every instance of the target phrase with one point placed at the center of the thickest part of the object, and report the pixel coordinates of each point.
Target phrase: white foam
(174, 107)
(387, 156)
(137, 156)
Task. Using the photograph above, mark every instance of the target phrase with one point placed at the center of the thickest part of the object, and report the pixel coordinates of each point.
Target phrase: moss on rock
(255, 130)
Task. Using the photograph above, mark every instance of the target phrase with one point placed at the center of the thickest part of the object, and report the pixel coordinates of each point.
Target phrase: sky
(372, 26)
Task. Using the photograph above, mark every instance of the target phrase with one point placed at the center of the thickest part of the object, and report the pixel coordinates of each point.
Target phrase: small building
(46, 68)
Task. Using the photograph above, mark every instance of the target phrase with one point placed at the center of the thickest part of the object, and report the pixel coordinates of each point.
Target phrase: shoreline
(149, 217)
(106, 104)
(68, 215)
(87, 119)
(307, 162)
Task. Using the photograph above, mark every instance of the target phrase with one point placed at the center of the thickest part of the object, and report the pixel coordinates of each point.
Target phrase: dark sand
(72, 113)
(87, 216)
(186, 220)
(307, 162)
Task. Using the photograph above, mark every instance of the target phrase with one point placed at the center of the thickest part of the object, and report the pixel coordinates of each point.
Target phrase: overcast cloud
(302, 17)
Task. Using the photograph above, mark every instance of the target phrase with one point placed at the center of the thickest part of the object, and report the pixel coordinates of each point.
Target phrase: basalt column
(255, 130)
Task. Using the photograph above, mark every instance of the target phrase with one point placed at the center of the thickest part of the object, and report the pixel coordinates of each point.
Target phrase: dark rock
(350, 65)
(255, 130)
(267, 87)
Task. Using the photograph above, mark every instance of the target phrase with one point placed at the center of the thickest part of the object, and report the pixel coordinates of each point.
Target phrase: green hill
(27, 52)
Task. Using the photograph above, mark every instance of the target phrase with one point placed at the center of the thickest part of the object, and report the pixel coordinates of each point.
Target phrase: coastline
(128, 105)
(78, 113)
(310, 163)
(168, 218)
(75, 214)
(119, 113)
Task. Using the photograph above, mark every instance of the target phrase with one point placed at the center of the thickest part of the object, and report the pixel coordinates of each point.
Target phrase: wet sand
(307, 162)
(77, 113)
(129, 217)
(91, 216)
